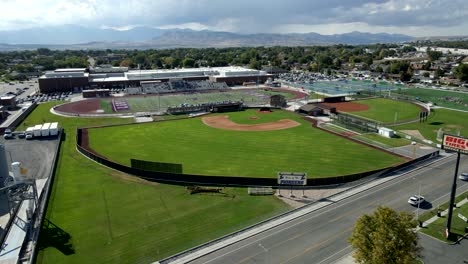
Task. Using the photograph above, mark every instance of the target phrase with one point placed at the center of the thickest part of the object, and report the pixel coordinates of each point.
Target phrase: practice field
(99, 215)
(205, 150)
(450, 121)
(156, 103)
(385, 110)
(456, 100)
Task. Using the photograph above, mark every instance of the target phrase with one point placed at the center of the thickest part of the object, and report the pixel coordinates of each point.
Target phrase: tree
(434, 55)
(254, 64)
(385, 237)
(188, 63)
(461, 71)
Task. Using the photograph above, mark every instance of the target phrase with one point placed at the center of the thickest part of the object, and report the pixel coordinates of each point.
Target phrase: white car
(416, 200)
(463, 176)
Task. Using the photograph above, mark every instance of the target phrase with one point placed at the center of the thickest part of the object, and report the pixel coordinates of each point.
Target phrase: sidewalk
(348, 258)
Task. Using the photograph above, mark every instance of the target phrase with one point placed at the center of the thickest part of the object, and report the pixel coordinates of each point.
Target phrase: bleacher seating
(179, 86)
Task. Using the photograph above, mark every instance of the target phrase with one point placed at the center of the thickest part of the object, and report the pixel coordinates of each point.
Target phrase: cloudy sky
(411, 17)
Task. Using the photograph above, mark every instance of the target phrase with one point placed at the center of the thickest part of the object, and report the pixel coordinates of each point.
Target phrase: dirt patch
(89, 106)
(253, 117)
(348, 106)
(223, 122)
(414, 133)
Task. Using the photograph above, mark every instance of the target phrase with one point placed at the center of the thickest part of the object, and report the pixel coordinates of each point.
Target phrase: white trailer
(45, 129)
(53, 129)
(29, 132)
(37, 130)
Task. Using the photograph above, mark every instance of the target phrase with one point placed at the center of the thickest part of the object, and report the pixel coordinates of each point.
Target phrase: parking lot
(20, 89)
(28, 91)
(35, 155)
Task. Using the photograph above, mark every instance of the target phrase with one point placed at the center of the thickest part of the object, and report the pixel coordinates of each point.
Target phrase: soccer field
(206, 150)
(159, 103)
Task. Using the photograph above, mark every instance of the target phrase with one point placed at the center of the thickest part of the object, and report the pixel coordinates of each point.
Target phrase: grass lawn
(437, 228)
(443, 98)
(390, 142)
(384, 110)
(116, 218)
(449, 120)
(205, 150)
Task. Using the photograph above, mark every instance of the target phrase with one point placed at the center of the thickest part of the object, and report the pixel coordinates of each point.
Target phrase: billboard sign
(455, 143)
(292, 178)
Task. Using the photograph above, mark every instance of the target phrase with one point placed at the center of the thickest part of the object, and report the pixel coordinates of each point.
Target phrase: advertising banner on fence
(292, 178)
(455, 143)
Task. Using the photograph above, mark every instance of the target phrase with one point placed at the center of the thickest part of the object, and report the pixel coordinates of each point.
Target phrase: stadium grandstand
(175, 86)
(65, 80)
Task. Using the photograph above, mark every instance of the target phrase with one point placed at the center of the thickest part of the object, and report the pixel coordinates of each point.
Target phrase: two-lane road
(321, 236)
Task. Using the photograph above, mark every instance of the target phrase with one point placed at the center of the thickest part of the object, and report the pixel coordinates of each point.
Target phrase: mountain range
(80, 37)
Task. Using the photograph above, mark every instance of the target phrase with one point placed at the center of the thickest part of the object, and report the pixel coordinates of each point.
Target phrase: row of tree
(315, 58)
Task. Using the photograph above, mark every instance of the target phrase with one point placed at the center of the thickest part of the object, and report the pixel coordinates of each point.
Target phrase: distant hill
(79, 37)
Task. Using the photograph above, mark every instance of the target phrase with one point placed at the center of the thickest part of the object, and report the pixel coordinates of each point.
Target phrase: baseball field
(246, 143)
(385, 110)
(99, 215)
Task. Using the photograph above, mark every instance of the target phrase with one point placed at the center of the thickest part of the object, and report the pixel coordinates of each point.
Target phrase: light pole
(417, 211)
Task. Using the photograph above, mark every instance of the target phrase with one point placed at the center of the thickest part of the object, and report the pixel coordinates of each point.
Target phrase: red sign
(456, 143)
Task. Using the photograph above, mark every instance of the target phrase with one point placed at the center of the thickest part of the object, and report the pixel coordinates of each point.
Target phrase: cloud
(244, 16)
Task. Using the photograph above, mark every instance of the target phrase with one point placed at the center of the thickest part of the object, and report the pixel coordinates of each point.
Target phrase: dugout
(227, 107)
(278, 100)
(96, 93)
(334, 99)
(317, 109)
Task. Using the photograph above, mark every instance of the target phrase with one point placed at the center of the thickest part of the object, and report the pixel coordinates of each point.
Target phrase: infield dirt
(223, 122)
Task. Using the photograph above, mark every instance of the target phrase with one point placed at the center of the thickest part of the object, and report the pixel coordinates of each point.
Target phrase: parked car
(416, 200)
(7, 134)
(463, 176)
(21, 135)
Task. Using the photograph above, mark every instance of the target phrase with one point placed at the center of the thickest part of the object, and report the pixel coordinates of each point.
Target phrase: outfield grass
(155, 102)
(449, 120)
(443, 98)
(210, 151)
(115, 218)
(384, 110)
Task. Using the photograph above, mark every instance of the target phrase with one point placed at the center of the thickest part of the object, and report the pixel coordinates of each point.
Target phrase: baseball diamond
(206, 150)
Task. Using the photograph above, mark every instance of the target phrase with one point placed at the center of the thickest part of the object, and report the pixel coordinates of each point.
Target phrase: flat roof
(70, 70)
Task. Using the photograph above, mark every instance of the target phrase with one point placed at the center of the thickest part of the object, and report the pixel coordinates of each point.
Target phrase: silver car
(416, 200)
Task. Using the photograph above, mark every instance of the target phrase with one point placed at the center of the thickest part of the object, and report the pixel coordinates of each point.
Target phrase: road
(321, 237)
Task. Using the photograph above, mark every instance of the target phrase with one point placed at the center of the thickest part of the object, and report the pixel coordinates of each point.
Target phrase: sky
(411, 17)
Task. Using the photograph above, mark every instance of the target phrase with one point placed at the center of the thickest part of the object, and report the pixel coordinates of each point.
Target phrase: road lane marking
(318, 244)
(347, 200)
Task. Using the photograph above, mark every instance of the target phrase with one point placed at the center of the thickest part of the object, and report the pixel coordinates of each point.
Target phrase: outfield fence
(82, 145)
